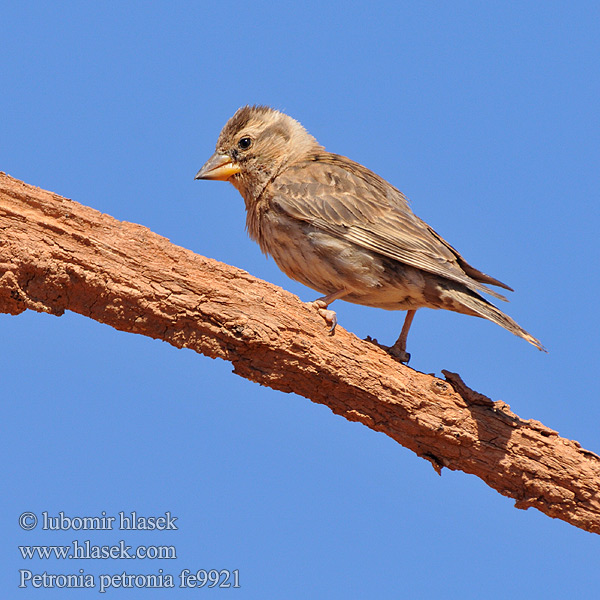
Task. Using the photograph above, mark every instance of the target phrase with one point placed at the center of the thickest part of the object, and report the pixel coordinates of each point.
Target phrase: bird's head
(255, 145)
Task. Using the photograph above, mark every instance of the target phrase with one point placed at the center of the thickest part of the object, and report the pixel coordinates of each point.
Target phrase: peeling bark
(58, 255)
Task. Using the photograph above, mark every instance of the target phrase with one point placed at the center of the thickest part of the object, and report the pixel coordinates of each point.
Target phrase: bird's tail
(480, 307)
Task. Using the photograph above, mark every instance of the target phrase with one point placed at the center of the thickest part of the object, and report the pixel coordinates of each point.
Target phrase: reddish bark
(56, 254)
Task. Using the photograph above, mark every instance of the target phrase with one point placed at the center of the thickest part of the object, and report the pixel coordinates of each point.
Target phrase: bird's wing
(348, 201)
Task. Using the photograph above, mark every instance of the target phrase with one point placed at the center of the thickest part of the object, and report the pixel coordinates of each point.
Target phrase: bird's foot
(329, 315)
(400, 354)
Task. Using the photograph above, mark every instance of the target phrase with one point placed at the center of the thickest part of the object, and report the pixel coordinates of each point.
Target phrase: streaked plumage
(339, 228)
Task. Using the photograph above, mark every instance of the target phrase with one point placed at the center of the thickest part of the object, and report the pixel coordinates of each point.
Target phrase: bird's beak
(218, 166)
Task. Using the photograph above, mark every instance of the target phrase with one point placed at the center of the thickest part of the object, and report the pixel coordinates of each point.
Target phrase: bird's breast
(327, 263)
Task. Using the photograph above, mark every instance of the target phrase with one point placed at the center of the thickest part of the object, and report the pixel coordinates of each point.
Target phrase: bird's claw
(401, 355)
(328, 315)
(395, 352)
(330, 318)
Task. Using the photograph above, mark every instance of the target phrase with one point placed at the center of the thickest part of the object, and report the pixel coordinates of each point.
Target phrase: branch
(56, 254)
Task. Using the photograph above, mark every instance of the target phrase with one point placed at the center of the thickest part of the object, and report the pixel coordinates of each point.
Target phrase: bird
(342, 230)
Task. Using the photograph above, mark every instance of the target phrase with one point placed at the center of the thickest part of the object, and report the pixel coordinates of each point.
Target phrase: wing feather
(351, 202)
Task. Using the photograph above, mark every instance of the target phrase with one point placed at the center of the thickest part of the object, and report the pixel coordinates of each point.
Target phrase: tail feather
(480, 307)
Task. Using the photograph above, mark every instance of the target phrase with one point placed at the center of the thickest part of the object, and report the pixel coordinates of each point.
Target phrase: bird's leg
(399, 348)
(321, 305)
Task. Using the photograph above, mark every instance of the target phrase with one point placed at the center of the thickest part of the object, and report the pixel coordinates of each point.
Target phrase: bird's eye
(244, 143)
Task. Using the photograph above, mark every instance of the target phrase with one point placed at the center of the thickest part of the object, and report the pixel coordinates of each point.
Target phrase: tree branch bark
(58, 255)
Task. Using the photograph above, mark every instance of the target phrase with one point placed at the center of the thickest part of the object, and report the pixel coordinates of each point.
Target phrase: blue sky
(484, 114)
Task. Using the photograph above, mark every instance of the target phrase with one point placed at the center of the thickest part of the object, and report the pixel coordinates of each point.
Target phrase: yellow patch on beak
(218, 166)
